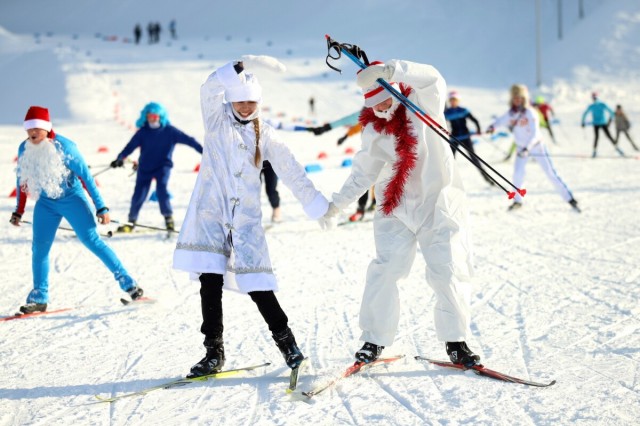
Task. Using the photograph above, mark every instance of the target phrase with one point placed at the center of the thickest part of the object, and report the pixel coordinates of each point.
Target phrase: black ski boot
(369, 352)
(459, 353)
(30, 308)
(168, 221)
(135, 293)
(213, 360)
(286, 342)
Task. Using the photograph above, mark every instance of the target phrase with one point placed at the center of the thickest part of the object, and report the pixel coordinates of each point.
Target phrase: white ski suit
(525, 126)
(222, 231)
(431, 213)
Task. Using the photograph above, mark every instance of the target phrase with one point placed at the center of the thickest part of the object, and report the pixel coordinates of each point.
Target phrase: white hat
(453, 95)
(375, 94)
(248, 90)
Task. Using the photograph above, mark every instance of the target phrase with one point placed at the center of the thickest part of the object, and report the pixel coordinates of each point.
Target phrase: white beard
(389, 112)
(41, 168)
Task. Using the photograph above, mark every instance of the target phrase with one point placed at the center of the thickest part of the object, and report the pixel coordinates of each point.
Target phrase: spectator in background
(172, 29)
(137, 33)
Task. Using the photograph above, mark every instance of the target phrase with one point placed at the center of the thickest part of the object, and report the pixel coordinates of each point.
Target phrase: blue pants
(47, 215)
(141, 191)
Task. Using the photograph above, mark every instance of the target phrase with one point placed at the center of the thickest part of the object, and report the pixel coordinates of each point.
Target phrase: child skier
(221, 239)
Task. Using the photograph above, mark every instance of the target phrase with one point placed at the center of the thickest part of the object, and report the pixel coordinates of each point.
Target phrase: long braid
(258, 156)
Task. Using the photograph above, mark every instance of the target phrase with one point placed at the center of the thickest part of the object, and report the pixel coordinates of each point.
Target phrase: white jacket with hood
(222, 231)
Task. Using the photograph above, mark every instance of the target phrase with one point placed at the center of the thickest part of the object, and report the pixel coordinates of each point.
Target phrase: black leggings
(271, 184)
(211, 301)
(605, 129)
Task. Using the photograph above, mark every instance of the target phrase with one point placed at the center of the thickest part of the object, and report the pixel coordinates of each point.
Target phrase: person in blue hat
(156, 138)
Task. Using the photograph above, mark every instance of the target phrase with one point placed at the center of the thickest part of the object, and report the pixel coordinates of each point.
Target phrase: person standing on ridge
(137, 33)
(156, 138)
(601, 116)
(221, 240)
(52, 172)
(421, 201)
(457, 116)
(523, 122)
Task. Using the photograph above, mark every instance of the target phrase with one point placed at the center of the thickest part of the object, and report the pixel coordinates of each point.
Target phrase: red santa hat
(38, 118)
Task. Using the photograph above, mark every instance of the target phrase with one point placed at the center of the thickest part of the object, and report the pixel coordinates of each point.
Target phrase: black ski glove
(117, 163)
(15, 218)
(239, 67)
(320, 130)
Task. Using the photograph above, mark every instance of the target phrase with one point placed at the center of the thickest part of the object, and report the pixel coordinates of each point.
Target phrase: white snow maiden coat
(222, 231)
(431, 212)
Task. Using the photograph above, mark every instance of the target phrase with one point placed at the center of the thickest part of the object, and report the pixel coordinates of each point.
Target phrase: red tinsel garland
(400, 127)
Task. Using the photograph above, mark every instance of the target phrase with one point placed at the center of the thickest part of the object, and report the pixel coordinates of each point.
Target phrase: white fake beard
(389, 112)
(154, 125)
(41, 168)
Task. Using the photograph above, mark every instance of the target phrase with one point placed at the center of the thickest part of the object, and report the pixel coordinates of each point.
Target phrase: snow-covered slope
(555, 292)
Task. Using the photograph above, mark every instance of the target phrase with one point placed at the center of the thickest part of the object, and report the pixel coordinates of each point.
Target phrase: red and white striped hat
(375, 93)
(38, 118)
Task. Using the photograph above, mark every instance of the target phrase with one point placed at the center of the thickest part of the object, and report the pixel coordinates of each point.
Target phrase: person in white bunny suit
(222, 240)
(420, 201)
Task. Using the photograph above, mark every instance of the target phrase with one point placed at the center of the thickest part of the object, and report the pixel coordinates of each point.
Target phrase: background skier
(156, 138)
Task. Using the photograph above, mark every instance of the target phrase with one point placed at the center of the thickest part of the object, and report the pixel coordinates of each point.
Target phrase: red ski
(481, 370)
(355, 368)
(35, 314)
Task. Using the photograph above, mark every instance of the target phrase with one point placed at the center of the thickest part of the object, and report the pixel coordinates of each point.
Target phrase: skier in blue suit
(156, 138)
(601, 116)
(52, 171)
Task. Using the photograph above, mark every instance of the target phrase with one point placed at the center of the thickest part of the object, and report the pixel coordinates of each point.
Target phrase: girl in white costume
(222, 240)
(523, 122)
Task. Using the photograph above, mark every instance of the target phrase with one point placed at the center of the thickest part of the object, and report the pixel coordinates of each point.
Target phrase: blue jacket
(79, 171)
(458, 118)
(598, 110)
(156, 146)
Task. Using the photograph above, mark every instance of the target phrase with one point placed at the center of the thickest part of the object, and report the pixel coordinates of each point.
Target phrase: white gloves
(252, 62)
(326, 221)
(369, 75)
